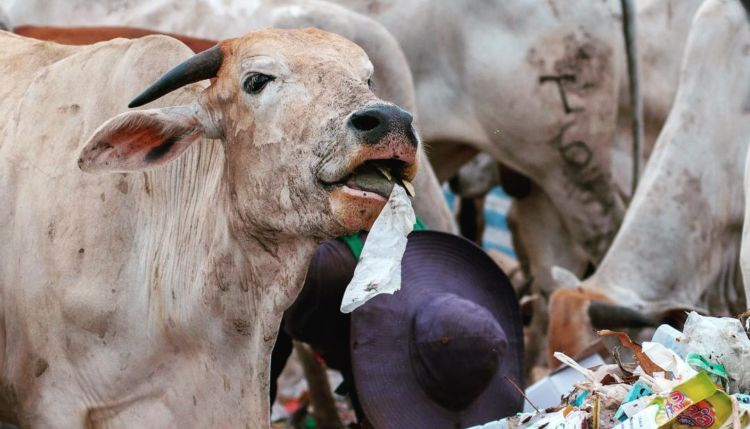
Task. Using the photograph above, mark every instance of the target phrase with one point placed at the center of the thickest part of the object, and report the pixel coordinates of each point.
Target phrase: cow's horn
(609, 316)
(200, 66)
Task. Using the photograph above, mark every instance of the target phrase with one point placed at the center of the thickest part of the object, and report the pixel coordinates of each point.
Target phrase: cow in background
(679, 245)
(540, 234)
(483, 83)
(90, 35)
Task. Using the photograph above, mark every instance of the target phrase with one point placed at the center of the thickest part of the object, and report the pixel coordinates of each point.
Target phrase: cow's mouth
(375, 177)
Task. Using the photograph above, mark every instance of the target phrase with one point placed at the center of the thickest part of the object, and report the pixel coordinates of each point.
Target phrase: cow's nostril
(365, 122)
(375, 122)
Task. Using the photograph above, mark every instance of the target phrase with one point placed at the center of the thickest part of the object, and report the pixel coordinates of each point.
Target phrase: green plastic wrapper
(716, 371)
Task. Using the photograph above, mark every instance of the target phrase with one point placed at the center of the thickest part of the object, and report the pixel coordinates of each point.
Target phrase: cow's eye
(255, 83)
(369, 83)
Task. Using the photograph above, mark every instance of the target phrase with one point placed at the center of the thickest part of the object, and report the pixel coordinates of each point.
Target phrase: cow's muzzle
(373, 124)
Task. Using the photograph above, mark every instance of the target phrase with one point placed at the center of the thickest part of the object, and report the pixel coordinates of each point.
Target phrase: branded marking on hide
(559, 80)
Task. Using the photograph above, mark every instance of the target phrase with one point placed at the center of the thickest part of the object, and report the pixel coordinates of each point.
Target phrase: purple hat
(436, 354)
(433, 355)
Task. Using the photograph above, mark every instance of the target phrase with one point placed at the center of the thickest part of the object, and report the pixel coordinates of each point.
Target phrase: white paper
(668, 360)
(635, 406)
(379, 267)
(567, 360)
(645, 419)
(549, 420)
(574, 420)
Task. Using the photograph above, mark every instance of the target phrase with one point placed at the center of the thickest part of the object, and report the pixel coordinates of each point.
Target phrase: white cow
(215, 19)
(539, 86)
(149, 295)
(541, 237)
(534, 84)
(663, 27)
(679, 244)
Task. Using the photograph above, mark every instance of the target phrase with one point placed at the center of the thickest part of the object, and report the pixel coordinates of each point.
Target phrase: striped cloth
(496, 232)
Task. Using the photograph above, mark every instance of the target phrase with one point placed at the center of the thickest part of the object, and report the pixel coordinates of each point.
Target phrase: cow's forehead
(297, 49)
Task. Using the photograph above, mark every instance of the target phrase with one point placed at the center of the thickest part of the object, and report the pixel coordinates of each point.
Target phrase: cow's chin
(355, 209)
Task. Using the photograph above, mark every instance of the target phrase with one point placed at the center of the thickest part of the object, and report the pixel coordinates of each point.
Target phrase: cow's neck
(252, 293)
(212, 288)
(253, 278)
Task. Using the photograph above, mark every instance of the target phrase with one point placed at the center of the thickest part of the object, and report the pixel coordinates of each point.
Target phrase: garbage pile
(698, 378)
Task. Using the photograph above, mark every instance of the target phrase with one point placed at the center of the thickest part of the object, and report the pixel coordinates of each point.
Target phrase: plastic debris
(379, 267)
(672, 339)
(716, 371)
(668, 361)
(631, 405)
(722, 340)
(643, 359)
(547, 391)
(699, 378)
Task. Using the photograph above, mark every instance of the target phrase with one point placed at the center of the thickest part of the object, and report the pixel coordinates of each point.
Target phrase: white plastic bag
(379, 267)
(722, 340)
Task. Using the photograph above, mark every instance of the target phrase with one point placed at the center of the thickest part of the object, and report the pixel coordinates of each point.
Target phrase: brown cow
(90, 35)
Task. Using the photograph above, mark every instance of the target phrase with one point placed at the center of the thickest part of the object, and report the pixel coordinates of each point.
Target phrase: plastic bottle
(672, 339)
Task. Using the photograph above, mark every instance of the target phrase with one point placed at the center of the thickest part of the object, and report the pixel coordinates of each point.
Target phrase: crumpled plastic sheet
(379, 267)
(723, 340)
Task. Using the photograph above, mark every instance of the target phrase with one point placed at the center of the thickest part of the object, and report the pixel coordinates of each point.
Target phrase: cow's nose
(374, 122)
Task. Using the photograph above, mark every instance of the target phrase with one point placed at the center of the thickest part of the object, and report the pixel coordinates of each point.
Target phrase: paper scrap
(567, 360)
(668, 360)
(646, 419)
(379, 267)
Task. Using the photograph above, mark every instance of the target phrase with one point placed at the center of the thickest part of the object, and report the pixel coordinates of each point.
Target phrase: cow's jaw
(360, 190)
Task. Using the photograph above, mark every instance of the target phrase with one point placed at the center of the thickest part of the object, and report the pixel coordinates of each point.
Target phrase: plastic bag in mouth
(379, 267)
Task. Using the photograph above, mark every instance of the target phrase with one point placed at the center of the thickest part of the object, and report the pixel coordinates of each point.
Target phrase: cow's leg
(61, 397)
(324, 406)
(54, 406)
(541, 241)
(429, 203)
(471, 218)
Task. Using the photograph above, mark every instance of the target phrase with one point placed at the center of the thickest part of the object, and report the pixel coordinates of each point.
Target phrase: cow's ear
(564, 277)
(141, 139)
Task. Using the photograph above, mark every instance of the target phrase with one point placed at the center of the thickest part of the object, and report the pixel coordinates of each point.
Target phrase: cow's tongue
(368, 178)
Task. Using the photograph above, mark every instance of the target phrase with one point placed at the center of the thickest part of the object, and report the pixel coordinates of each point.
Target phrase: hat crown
(456, 347)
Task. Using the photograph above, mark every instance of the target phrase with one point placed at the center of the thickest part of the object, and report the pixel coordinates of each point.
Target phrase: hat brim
(387, 388)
